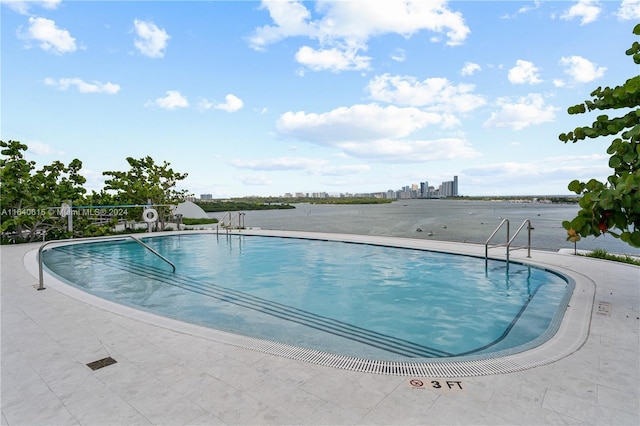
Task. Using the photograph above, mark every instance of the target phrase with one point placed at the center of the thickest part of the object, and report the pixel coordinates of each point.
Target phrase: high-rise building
(424, 189)
(449, 188)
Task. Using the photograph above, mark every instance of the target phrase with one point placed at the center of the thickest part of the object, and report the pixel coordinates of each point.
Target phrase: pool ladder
(41, 249)
(509, 240)
(239, 216)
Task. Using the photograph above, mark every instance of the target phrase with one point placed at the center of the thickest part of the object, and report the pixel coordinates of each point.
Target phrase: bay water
(438, 219)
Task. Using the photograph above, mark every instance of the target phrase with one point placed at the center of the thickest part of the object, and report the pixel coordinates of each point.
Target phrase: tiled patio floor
(169, 377)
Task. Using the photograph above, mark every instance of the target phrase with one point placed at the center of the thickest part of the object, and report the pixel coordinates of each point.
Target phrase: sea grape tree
(30, 198)
(147, 181)
(611, 207)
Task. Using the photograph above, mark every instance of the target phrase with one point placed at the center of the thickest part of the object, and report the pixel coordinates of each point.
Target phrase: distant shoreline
(277, 203)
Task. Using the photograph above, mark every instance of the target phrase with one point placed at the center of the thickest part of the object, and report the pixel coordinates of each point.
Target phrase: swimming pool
(366, 301)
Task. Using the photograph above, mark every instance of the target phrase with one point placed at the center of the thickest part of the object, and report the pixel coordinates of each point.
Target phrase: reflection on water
(448, 220)
(353, 299)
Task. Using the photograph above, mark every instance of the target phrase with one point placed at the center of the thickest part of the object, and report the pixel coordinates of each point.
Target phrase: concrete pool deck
(165, 376)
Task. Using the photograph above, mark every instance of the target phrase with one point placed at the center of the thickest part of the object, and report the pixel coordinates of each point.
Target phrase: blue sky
(265, 98)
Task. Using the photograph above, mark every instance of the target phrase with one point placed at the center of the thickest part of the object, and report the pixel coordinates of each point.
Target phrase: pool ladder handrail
(509, 240)
(486, 244)
(528, 246)
(109, 237)
(238, 215)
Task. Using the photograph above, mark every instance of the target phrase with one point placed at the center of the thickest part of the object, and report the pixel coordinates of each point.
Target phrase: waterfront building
(420, 190)
(449, 188)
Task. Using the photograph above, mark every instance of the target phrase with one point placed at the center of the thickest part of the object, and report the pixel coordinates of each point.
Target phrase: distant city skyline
(261, 98)
(415, 190)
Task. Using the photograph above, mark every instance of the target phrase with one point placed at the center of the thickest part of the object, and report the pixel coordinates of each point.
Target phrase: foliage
(611, 207)
(31, 198)
(146, 183)
(193, 221)
(233, 206)
(602, 254)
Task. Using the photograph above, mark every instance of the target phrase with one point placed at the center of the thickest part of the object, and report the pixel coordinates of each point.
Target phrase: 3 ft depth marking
(435, 384)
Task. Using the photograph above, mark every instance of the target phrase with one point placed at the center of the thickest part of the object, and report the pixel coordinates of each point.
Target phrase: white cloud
(527, 8)
(581, 70)
(374, 132)
(290, 19)
(333, 59)
(407, 151)
(470, 68)
(439, 94)
(83, 87)
(151, 41)
(312, 166)
(629, 9)
(256, 180)
(527, 111)
(524, 72)
(50, 4)
(51, 38)
(363, 19)
(205, 104)
(173, 100)
(282, 163)
(524, 9)
(344, 28)
(232, 103)
(504, 169)
(586, 10)
(399, 55)
(356, 123)
(344, 170)
(24, 6)
(550, 169)
(39, 148)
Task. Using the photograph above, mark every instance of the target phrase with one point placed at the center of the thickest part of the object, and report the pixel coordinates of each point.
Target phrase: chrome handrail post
(529, 228)
(486, 244)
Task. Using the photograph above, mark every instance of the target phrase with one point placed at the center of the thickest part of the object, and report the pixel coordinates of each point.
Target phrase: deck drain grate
(104, 362)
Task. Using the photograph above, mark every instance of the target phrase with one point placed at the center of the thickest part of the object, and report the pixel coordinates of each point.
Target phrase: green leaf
(578, 223)
(576, 186)
(614, 161)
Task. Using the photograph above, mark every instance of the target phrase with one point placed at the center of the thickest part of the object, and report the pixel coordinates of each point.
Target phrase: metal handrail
(529, 228)
(232, 217)
(41, 249)
(486, 244)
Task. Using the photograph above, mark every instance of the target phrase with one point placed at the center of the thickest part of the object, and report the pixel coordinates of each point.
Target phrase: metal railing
(120, 237)
(486, 244)
(528, 246)
(232, 217)
(509, 242)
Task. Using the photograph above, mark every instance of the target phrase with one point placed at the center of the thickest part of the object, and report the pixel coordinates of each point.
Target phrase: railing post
(40, 274)
(486, 244)
(486, 255)
(529, 239)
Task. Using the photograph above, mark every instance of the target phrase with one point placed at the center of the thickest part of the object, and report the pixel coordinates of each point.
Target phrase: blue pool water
(361, 300)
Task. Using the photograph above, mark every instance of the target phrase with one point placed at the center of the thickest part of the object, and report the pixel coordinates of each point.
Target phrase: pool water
(361, 300)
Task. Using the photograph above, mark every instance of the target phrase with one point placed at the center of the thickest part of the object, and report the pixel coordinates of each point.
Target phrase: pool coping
(570, 336)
